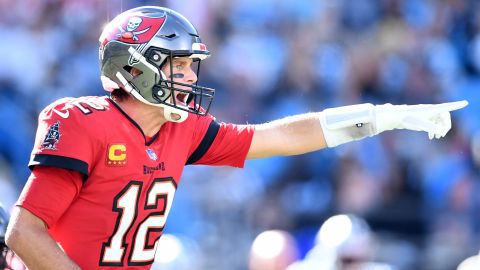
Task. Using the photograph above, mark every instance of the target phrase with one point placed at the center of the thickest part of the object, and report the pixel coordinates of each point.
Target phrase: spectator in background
(344, 242)
(273, 250)
(470, 263)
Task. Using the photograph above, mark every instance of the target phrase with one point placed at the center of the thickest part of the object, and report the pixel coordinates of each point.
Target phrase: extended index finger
(448, 107)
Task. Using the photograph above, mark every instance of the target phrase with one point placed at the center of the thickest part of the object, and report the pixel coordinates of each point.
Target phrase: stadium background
(274, 58)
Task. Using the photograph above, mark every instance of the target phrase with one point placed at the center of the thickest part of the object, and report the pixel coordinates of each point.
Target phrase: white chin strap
(168, 112)
(171, 114)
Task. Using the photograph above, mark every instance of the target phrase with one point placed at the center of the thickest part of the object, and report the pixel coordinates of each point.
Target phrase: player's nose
(191, 76)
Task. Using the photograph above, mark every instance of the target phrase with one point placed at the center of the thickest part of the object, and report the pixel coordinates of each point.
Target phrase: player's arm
(47, 194)
(309, 132)
(292, 135)
(28, 237)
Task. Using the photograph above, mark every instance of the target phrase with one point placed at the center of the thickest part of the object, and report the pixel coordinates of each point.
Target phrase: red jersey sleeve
(63, 139)
(221, 143)
(49, 192)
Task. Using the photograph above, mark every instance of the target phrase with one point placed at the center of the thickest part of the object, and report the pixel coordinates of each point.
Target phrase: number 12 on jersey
(126, 204)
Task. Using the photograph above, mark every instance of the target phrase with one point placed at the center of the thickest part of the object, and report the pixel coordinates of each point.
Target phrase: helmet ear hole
(133, 71)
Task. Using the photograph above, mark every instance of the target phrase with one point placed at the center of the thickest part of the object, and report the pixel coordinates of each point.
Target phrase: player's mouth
(181, 98)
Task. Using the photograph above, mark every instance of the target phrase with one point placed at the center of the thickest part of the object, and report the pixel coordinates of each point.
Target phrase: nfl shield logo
(151, 154)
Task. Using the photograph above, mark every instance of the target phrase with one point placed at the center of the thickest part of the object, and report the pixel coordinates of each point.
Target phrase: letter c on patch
(117, 152)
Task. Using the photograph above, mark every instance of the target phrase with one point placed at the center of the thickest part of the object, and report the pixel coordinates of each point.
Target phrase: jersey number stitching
(85, 103)
(126, 205)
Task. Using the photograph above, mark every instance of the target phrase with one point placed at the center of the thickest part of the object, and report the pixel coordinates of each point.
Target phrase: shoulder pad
(66, 107)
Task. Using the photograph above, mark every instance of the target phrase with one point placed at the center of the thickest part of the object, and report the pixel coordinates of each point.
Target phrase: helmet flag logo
(130, 33)
(135, 29)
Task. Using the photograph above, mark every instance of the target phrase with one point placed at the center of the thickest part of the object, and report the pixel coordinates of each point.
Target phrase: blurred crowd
(274, 58)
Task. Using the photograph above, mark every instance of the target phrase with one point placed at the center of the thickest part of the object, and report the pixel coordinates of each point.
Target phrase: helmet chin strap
(169, 111)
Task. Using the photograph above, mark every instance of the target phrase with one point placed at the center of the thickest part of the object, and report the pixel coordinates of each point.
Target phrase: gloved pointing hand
(350, 123)
(431, 118)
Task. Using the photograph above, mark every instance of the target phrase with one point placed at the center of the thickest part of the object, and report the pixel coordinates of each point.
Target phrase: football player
(105, 169)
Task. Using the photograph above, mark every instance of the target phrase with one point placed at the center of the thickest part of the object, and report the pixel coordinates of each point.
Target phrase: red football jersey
(114, 214)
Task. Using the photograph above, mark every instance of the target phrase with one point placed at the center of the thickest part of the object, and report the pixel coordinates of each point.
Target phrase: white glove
(349, 123)
(431, 118)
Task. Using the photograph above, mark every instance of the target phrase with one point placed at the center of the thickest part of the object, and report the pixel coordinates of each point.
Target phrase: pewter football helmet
(145, 38)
